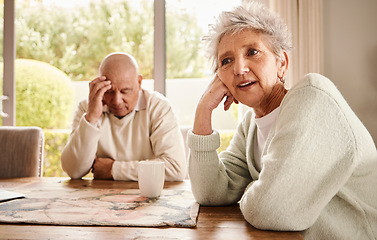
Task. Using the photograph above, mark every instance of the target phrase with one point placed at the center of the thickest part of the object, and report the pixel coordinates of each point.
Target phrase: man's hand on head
(97, 89)
(102, 168)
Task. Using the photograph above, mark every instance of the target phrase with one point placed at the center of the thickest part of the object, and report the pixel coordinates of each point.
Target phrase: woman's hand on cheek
(215, 93)
(229, 97)
(209, 101)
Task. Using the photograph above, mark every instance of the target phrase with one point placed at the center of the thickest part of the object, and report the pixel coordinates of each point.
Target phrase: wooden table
(213, 222)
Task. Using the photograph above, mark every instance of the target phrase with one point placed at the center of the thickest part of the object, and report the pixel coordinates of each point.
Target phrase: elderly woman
(300, 160)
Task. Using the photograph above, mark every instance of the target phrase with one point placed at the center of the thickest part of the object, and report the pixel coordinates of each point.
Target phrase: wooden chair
(21, 152)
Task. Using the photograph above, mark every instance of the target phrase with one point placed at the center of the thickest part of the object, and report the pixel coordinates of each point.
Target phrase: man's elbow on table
(74, 173)
(73, 170)
(177, 174)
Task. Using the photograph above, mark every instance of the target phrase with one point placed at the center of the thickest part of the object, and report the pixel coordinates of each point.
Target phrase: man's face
(121, 99)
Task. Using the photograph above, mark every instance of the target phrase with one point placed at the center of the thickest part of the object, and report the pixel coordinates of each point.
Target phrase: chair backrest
(21, 152)
(184, 129)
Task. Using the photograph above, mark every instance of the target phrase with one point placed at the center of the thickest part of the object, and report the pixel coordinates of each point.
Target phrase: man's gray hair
(253, 16)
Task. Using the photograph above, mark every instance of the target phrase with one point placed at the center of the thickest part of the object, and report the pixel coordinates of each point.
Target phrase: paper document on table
(8, 195)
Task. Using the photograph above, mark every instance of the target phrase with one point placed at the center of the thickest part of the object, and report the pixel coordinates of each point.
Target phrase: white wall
(350, 55)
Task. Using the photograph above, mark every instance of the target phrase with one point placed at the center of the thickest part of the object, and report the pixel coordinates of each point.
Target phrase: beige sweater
(319, 168)
(150, 132)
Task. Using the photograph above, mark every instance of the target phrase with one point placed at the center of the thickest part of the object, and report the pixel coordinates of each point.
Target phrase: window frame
(9, 56)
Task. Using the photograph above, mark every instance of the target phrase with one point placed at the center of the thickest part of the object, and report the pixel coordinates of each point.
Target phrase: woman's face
(248, 67)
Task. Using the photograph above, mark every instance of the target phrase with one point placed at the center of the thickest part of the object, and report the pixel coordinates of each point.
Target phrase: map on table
(101, 207)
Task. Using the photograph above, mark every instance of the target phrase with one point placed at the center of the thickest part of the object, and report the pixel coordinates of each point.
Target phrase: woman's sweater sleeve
(218, 179)
(309, 156)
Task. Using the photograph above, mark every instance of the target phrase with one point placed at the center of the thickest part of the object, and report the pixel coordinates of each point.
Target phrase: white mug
(151, 178)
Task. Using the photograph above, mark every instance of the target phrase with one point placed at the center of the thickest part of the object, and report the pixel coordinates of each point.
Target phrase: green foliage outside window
(44, 95)
(183, 43)
(76, 40)
(225, 138)
(55, 140)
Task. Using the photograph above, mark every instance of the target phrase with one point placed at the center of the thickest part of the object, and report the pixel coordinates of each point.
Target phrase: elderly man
(121, 124)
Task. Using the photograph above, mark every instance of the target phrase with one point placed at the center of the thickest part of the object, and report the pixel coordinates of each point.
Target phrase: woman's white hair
(253, 16)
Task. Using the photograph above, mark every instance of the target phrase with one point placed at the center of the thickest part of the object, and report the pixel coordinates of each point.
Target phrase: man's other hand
(102, 168)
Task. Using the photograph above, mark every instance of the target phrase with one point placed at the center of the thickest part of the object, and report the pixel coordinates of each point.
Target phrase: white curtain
(305, 21)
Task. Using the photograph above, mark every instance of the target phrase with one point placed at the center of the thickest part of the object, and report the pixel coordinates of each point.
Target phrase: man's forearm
(79, 153)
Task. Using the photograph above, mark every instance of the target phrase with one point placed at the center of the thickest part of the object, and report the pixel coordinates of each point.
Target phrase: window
(188, 70)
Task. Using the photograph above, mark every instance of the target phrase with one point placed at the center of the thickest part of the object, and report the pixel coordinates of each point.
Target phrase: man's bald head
(118, 60)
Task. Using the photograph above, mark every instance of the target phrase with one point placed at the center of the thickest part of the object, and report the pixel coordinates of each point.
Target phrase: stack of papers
(8, 195)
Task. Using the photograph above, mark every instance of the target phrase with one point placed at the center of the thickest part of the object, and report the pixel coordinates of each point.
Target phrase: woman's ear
(284, 61)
